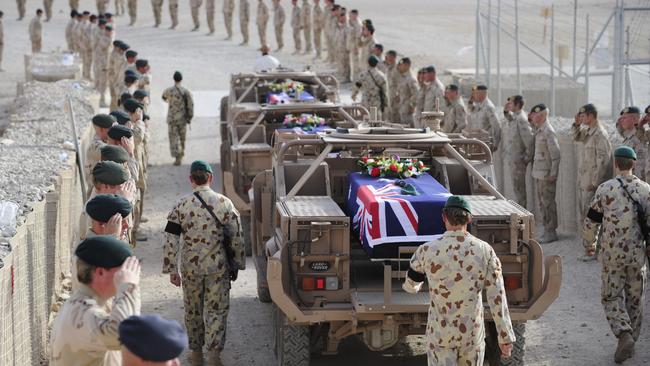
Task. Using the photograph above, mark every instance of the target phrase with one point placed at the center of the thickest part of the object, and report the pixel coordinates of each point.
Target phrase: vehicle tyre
(246, 228)
(292, 341)
(223, 109)
(493, 353)
(262, 286)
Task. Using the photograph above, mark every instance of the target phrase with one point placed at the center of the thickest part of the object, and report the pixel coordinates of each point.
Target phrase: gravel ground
(572, 332)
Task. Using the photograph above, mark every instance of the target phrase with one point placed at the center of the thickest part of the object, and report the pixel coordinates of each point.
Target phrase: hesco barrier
(36, 269)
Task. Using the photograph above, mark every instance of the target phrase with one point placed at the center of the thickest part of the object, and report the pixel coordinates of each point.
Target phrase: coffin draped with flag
(385, 217)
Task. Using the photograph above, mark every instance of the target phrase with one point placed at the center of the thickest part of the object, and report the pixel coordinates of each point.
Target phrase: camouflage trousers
(227, 19)
(243, 26)
(261, 31)
(518, 171)
(584, 202)
(74, 4)
(343, 66)
(87, 62)
(306, 31)
(207, 301)
(21, 8)
(318, 46)
(623, 297)
(195, 8)
(37, 46)
(547, 206)
(48, 9)
(173, 13)
(157, 11)
(133, 10)
(209, 14)
(176, 132)
(279, 30)
(119, 7)
(453, 356)
(297, 40)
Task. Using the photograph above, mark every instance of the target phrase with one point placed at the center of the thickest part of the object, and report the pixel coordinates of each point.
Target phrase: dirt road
(572, 332)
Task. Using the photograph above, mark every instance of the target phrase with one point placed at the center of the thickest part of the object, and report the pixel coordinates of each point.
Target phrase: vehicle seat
(317, 185)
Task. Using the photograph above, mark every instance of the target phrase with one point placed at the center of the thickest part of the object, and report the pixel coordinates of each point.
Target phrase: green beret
(104, 206)
(373, 60)
(109, 172)
(458, 202)
(121, 116)
(132, 105)
(452, 87)
(625, 152)
(103, 120)
(633, 110)
(118, 131)
(588, 108)
(115, 153)
(200, 165)
(140, 94)
(647, 109)
(104, 251)
(541, 107)
(479, 87)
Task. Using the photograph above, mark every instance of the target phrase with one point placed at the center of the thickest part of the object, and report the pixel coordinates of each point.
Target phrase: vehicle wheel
(493, 353)
(246, 228)
(292, 341)
(223, 109)
(262, 286)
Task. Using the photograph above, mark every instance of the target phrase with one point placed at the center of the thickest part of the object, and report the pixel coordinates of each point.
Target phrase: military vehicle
(250, 124)
(310, 241)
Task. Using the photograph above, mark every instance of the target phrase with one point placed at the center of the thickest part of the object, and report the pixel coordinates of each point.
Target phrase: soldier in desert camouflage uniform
(435, 91)
(623, 253)
(296, 26)
(69, 29)
(36, 32)
(406, 93)
(372, 84)
(366, 42)
(483, 115)
(203, 273)
(353, 40)
(101, 123)
(262, 20)
(595, 157)
(518, 144)
(278, 23)
(455, 118)
(305, 18)
(634, 137)
(318, 23)
(103, 43)
(228, 10)
(455, 329)
(546, 165)
(644, 133)
(102, 6)
(85, 330)
(392, 77)
(179, 115)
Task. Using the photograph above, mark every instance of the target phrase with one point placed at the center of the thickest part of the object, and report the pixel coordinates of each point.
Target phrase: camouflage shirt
(193, 232)
(434, 91)
(406, 92)
(317, 17)
(546, 161)
(621, 240)
(278, 15)
(455, 118)
(458, 268)
(371, 83)
(483, 115)
(174, 97)
(635, 139)
(518, 136)
(595, 156)
(262, 14)
(85, 330)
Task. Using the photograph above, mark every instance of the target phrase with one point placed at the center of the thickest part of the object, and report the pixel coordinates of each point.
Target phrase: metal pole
(488, 66)
(553, 60)
(629, 93)
(600, 35)
(499, 100)
(78, 154)
(478, 37)
(575, 30)
(517, 46)
(587, 53)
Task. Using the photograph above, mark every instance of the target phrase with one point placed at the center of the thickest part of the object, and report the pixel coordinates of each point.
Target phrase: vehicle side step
(400, 301)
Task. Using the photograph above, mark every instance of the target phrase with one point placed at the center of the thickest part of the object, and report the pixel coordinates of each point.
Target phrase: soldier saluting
(203, 226)
(455, 328)
(621, 206)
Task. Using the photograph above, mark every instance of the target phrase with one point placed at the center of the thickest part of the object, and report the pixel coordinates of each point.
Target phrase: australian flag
(385, 217)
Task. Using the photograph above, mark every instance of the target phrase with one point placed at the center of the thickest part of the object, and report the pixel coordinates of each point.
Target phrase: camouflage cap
(200, 165)
(625, 152)
(458, 202)
(104, 251)
(104, 206)
(115, 154)
(103, 120)
(632, 110)
(110, 172)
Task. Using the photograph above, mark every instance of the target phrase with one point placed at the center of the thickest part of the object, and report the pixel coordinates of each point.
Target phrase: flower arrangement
(292, 88)
(305, 121)
(392, 167)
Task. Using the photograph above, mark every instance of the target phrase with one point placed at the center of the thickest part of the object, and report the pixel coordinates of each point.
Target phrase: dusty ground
(572, 332)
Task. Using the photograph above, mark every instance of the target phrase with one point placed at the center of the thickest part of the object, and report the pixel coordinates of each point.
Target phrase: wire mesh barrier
(36, 271)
